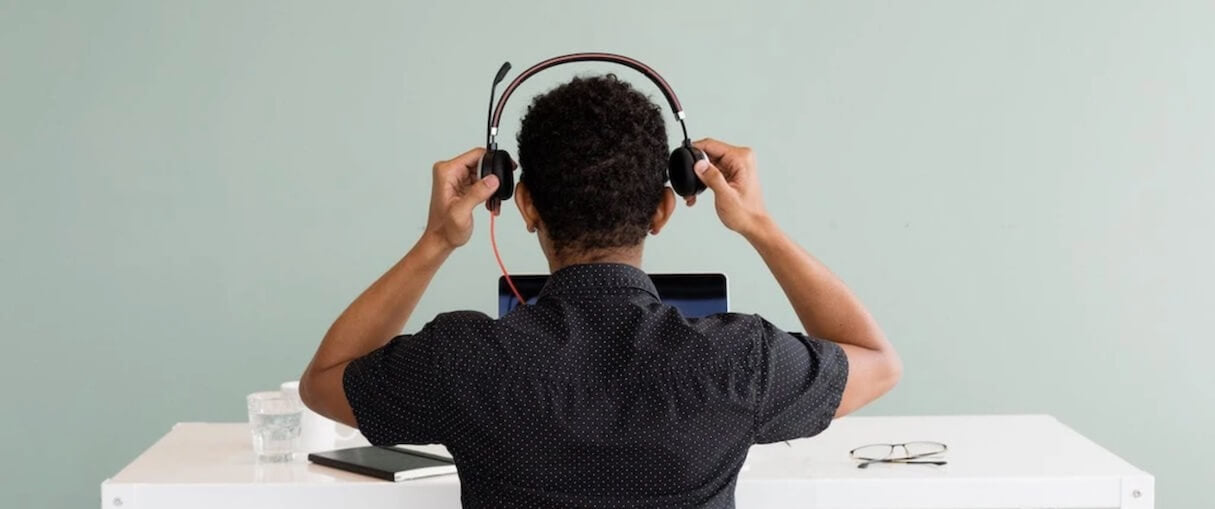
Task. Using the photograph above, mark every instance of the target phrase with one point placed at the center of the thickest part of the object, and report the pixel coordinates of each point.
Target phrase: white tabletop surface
(1033, 458)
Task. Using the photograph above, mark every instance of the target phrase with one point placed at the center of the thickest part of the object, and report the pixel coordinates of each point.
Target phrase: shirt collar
(590, 277)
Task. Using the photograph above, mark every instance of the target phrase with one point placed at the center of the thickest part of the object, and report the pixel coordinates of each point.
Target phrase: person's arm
(826, 308)
(380, 312)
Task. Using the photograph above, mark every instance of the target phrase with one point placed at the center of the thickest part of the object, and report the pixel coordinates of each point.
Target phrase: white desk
(1021, 461)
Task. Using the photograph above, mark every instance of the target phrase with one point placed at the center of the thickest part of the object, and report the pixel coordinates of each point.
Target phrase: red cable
(494, 242)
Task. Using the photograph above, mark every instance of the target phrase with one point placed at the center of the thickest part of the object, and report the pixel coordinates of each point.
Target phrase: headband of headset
(496, 113)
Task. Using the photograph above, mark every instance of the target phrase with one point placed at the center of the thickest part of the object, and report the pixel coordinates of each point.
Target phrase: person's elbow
(317, 388)
(322, 392)
(308, 388)
(885, 367)
(871, 374)
(890, 370)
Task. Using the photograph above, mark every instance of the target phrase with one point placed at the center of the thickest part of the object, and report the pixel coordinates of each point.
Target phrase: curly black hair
(593, 154)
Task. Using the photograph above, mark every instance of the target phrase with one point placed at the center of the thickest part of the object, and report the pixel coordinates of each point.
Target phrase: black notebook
(387, 463)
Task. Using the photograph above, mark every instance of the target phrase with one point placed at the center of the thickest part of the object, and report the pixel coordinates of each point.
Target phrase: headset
(499, 163)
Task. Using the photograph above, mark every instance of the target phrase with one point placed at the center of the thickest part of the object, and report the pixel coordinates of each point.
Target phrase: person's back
(599, 392)
(598, 395)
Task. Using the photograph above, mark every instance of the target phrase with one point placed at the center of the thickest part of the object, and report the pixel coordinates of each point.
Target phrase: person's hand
(731, 173)
(456, 192)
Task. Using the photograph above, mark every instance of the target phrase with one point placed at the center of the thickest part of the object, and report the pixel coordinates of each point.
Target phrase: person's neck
(626, 256)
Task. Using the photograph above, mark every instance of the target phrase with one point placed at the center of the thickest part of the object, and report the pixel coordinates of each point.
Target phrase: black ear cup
(683, 176)
(498, 162)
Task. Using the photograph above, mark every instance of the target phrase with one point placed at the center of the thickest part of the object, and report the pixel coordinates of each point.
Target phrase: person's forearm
(825, 306)
(381, 311)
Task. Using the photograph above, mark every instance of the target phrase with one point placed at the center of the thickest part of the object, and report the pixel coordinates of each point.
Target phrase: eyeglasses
(907, 453)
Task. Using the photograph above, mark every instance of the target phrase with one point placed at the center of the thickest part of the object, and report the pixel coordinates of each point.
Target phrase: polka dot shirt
(597, 396)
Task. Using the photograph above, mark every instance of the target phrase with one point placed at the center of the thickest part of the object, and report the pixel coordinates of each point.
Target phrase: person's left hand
(456, 192)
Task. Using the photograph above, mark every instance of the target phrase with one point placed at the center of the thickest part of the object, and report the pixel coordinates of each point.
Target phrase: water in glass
(275, 423)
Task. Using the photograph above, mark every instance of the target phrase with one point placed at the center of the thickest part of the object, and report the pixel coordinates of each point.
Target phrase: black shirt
(599, 395)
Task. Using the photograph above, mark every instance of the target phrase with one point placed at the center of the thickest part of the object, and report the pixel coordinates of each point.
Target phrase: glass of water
(274, 419)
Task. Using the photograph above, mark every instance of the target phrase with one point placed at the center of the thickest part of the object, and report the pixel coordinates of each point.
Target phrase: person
(598, 395)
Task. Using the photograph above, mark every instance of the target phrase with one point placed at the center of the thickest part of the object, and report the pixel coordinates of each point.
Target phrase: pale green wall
(1021, 191)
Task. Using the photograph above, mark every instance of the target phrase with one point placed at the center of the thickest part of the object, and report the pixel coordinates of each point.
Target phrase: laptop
(694, 295)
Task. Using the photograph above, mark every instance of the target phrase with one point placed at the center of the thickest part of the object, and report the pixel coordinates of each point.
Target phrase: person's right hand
(731, 173)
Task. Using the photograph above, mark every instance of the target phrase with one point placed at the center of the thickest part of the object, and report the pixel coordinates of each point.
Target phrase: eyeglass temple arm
(904, 462)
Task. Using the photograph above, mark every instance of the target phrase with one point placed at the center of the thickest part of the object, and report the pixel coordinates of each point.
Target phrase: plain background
(1020, 191)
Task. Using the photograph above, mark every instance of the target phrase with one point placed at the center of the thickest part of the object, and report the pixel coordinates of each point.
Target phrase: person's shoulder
(453, 331)
(728, 319)
(737, 325)
(462, 316)
(462, 320)
(744, 327)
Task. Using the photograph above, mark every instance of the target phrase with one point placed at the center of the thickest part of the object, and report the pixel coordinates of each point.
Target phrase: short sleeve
(394, 391)
(801, 382)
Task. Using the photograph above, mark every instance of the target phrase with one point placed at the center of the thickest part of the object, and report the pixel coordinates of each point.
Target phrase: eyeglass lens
(898, 451)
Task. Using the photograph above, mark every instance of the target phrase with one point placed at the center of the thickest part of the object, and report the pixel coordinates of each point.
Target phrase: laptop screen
(694, 295)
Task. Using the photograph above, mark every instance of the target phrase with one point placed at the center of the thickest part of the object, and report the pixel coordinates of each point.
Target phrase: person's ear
(666, 207)
(523, 200)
